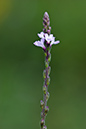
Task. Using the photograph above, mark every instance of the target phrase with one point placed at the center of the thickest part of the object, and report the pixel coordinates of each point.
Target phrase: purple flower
(41, 35)
(39, 43)
(45, 37)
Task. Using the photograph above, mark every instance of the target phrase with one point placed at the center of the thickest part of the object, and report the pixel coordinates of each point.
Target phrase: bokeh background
(22, 63)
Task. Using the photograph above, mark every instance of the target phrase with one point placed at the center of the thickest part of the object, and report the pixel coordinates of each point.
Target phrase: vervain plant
(46, 42)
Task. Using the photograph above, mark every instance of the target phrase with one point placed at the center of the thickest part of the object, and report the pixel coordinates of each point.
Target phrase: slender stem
(45, 108)
(45, 83)
(46, 42)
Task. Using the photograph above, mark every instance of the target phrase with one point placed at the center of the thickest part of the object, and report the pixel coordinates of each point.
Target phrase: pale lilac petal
(51, 36)
(41, 35)
(39, 43)
(55, 42)
(42, 41)
(46, 35)
(53, 39)
(48, 38)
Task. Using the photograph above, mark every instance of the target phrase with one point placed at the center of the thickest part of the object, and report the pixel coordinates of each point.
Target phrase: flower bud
(44, 127)
(44, 74)
(45, 54)
(48, 31)
(46, 109)
(46, 18)
(49, 69)
(44, 89)
(46, 64)
(49, 58)
(46, 23)
(49, 28)
(48, 80)
(47, 96)
(42, 122)
(43, 30)
(42, 104)
(45, 26)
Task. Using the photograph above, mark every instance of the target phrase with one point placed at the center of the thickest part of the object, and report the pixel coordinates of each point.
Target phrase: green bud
(46, 64)
(45, 54)
(44, 127)
(42, 104)
(46, 109)
(49, 58)
(47, 95)
(42, 122)
(48, 80)
(44, 89)
(44, 74)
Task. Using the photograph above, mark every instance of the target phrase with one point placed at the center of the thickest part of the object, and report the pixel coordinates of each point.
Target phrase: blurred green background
(21, 64)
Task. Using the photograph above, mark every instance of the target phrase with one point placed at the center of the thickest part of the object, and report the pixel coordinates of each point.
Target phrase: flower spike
(46, 42)
(45, 37)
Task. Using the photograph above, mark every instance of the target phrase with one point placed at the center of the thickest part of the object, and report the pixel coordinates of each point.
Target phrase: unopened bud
(46, 109)
(46, 23)
(48, 80)
(49, 28)
(44, 74)
(49, 69)
(46, 15)
(44, 127)
(41, 103)
(44, 89)
(45, 26)
(49, 58)
(42, 122)
(48, 31)
(47, 96)
(45, 54)
(46, 64)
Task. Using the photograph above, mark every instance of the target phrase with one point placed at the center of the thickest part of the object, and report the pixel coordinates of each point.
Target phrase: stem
(45, 108)
(46, 72)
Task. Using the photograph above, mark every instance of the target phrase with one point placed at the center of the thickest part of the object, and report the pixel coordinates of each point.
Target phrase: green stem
(45, 108)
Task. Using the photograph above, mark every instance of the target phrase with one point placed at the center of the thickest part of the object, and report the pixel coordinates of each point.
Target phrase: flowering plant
(46, 42)
(50, 40)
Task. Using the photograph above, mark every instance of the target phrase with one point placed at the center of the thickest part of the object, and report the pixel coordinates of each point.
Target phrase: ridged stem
(46, 72)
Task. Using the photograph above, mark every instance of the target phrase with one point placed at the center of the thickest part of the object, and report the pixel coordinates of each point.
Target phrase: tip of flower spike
(46, 14)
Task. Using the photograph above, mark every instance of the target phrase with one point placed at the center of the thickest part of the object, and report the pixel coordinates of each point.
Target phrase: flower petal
(41, 35)
(55, 42)
(39, 43)
(48, 38)
(36, 43)
(51, 36)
